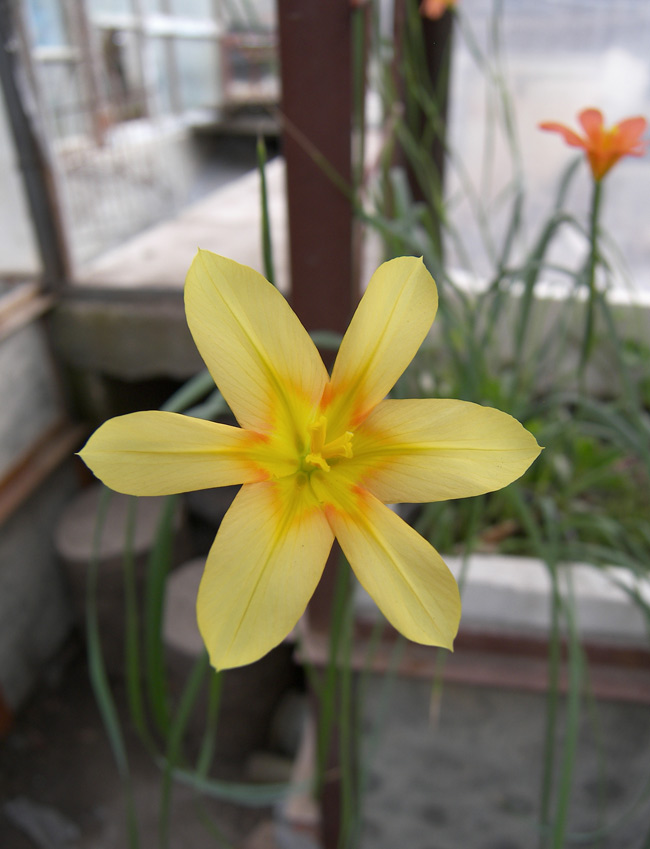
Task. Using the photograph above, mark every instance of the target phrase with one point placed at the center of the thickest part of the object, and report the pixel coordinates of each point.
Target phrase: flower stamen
(322, 451)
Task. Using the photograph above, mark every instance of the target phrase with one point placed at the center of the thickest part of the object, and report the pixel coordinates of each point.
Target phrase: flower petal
(434, 9)
(435, 449)
(402, 572)
(569, 136)
(262, 570)
(159, 453)
(592, 123)
(628, 136)
(256, 349)
(387, 329)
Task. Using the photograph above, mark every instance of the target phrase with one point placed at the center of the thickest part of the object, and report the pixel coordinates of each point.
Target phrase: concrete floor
(468, 778)
(60, 789)
(472, 777)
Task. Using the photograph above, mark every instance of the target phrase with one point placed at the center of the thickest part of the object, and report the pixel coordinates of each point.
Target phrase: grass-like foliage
(542, 339)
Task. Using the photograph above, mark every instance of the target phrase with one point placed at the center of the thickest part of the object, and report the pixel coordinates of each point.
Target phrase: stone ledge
(511, 595)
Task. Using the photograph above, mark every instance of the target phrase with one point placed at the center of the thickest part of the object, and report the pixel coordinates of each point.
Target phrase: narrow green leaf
(99, 678)
(175, 736)
(158, 567)
(267, 244)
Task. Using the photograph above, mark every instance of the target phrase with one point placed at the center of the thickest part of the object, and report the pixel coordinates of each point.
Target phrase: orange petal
(629, 136)
(567, 133)
(592, 123)
(433, 9)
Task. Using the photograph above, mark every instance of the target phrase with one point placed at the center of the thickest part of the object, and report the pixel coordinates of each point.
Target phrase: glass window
(197, 71)
(192, 8)
(557, 58)
(46, 23)
(121, 7)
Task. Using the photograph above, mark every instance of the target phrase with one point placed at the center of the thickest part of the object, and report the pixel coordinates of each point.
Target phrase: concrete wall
(35, 611)
(30, 401)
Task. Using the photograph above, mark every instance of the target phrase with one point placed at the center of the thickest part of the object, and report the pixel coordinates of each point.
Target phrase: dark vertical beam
(317, 102)
(437, 37)
(316, 74)
(425, 46)
(316, 70)
(31, 152)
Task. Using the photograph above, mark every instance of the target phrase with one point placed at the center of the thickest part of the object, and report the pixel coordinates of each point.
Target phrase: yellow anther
(340, 447)
(322, 451)
(317, 460)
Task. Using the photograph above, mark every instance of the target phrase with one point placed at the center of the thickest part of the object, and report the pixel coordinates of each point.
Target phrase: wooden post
(317, 102)
(316, 73)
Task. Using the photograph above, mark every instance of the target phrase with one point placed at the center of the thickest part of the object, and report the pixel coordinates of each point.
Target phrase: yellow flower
(318, 457)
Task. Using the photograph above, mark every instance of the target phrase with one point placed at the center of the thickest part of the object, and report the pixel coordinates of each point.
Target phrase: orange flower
(603, 147)
(435, 9)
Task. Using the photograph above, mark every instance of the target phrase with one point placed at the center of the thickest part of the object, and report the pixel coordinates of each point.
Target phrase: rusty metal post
(316, 111)
(316, 73)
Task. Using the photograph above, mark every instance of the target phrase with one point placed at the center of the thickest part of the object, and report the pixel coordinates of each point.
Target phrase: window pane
(110, 6)
(46, 22)
(197, 71)
(558, 58)
(192, 8)
(159, 75)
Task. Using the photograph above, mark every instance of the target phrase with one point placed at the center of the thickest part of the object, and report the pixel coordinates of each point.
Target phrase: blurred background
(280, 134)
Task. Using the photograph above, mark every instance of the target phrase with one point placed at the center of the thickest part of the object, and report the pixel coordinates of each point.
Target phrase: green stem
(592, 262)
(554, 659)
(133, 666)
(576, 673)
(327, 694)
(99, 677)
(267, 245)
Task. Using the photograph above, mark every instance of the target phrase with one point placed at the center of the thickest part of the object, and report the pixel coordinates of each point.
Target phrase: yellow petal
(387, 329)
(158, 453)
(262, 570)
(258, 353)
(402, 572)
(435, 449)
